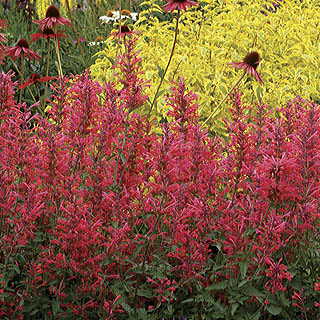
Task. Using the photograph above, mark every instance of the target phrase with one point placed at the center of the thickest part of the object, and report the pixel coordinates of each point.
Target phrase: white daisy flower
(106, 19)
(134, 16)
(95, 43)
(113, 16)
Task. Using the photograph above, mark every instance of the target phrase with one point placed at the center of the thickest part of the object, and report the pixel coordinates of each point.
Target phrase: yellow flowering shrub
(66, 5)
(222, 32)
(42, 6)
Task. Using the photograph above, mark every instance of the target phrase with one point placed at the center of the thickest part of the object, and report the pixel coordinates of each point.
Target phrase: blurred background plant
(77, 47)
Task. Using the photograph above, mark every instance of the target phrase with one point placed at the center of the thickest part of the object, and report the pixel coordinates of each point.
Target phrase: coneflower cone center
(52, 12)
(125, 12)
(124, 29)
(23, 43)
(252, 59)
(48, 32)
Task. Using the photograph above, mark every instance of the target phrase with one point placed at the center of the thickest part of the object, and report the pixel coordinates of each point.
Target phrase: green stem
(59, 67)
(48, 57)
(47, 70)
(225, 98)
(167, 67)
(21, 76)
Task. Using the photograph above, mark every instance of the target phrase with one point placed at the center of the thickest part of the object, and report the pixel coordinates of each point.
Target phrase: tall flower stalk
(51, 22)
(169, 7)
(59, 64)
(168, 63)
(249, 64)
(21, 51)
(226, 96)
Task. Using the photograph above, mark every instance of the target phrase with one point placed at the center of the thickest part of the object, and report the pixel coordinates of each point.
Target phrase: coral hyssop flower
(179, 5)
(52, 19)
(249, 65)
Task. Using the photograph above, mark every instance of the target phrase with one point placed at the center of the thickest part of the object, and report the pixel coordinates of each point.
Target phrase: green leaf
(35, 311)
(160, 72)
(284, 300)
(187, 300)
(234, 308)
(16, 268)
(55, 307)
(219, 307)
(274, 310)
(252, 292)
(122, 157)
(145, 293)
(218, 286)
(126, 307)
(259, 93)
(256, 316)
(160, 93)
(243, 268)
(111, 60)
(242, 283)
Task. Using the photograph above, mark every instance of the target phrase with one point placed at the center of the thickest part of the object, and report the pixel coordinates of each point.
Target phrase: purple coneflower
(122, 32)
(179, 5)
(21, 49)
(46, 34)
(52, 19)
(249, 65)
(34, 79)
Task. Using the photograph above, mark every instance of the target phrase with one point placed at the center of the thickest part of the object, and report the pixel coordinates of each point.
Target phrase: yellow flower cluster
(222, 32)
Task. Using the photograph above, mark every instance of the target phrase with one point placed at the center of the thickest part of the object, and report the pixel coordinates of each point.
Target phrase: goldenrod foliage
(42, 6)
(222, 32)
(66, 5)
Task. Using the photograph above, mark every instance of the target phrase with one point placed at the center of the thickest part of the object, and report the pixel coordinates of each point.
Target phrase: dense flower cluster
(92, 198)
(2, 39)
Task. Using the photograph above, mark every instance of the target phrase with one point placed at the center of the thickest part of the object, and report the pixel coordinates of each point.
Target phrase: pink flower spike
(249, 65)
(179, 5)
